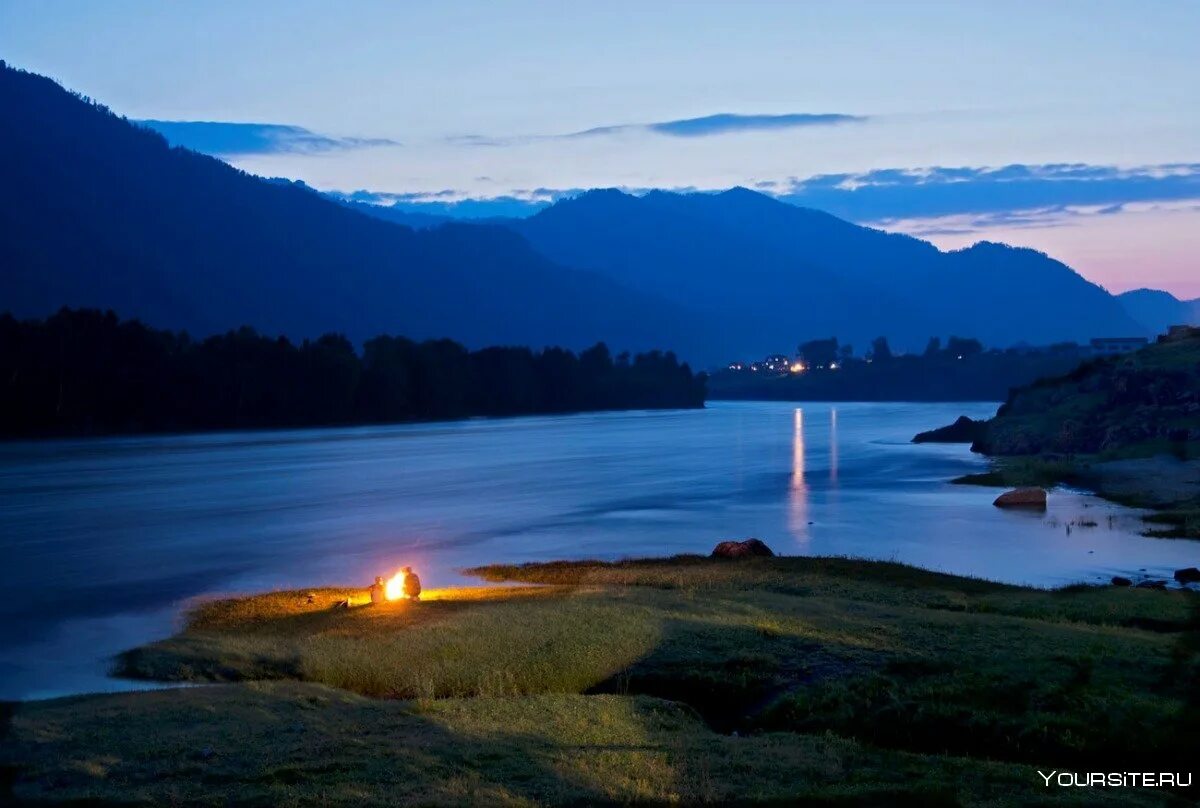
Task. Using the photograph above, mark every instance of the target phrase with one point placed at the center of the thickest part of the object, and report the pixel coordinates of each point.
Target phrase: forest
(84, 371)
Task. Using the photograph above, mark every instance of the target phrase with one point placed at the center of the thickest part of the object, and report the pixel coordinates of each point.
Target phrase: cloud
(1046, 189)
(722, 123)
(725, 123)
(225, 139)
(457, 204)
(929, 202)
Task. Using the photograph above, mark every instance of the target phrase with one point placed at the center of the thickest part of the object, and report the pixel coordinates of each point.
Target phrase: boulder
(964, 430)
(1188, 575)
(1151, 585)
(1119, 580)
(741, 549)
(1022, 498)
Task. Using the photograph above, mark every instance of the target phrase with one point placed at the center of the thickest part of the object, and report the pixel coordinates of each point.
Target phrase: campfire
(394, 588)
(404, 585)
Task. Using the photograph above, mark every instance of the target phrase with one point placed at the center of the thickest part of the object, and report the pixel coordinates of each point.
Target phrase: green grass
(1014, 472)
(289, 744)
(844, 680)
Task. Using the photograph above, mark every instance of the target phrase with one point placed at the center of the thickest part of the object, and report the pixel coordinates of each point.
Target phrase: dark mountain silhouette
(1158, 310)
(769, 274)
(97, 212)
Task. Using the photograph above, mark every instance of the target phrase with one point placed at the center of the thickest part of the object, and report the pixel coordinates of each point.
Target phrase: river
(106, 539)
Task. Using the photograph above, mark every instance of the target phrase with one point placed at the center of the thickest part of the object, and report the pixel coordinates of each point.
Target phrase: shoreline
(1167, 488)
(765, 672)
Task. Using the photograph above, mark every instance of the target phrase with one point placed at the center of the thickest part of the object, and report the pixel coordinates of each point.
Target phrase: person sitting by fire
(378, 590)
(412, 584)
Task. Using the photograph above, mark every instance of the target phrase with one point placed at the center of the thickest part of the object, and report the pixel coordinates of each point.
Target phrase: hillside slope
(96, 212)
(1130, 405)
(772, 274)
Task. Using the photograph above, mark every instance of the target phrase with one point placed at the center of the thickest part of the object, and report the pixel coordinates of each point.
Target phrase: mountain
(1158, 311)
(768, 274)
(98, 212)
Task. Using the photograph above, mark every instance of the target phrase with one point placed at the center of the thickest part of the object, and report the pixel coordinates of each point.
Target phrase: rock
(964, 430)
(741, 549)
(1022, 498)
(1188, 575)
(1119, 580)
(1151, 585)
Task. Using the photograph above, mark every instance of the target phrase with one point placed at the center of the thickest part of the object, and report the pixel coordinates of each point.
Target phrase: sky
(1071, 127)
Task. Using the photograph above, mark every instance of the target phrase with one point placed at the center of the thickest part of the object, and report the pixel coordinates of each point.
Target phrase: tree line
(88, 372)
(957, 369)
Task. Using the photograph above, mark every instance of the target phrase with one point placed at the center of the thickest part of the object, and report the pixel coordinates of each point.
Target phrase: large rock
(741, 549)
(1022, 498)
(964, 430)
(1188, 575)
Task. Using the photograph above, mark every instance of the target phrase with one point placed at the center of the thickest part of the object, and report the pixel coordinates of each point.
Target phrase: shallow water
(105, 539)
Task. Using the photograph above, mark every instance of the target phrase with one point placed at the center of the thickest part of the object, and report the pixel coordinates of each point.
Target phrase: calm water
(104, 539)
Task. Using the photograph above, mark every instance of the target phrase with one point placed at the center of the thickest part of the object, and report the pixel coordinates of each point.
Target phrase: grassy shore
(1168, 486)
(659, 681)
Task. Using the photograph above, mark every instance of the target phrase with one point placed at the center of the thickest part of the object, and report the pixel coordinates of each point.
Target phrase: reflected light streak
(798, 495)
(833, 446)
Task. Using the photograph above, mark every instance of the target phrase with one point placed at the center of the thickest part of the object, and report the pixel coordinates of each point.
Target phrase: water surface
(105, 539)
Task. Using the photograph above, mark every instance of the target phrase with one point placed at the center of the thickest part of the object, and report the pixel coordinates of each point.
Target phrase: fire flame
(394, 588)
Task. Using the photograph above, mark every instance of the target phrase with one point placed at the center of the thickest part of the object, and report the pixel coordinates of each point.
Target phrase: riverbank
(672, 680)
(1167, 486)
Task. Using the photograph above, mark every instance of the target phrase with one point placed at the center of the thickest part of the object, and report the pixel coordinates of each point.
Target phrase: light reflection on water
(104, 538)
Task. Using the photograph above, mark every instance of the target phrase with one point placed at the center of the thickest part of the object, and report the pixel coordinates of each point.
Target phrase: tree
(880, 350)
(961, 347)
(934, 347)
(820, 352)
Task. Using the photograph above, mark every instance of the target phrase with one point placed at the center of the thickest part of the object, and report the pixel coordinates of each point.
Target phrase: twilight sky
(1068, 126)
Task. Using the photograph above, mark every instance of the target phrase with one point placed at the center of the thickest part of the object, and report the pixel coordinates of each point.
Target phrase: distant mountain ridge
(770, 274)
(98, 212)
(1158, 310)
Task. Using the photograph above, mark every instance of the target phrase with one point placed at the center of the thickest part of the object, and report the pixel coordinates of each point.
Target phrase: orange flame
(394, 588)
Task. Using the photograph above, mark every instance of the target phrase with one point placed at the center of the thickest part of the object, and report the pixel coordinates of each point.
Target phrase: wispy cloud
(929, 202)
(458, 204)
(1048, 189)
(225, 139)
(723, 123)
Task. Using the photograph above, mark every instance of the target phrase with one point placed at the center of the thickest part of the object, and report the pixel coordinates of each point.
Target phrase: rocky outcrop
(742, 549)
(1120, 580)
(964, 430)
(1188, 575)
(1022, 498)
(1140, 401)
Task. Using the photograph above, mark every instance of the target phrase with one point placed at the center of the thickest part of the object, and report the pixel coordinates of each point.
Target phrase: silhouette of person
(378, 590)
(412, 584)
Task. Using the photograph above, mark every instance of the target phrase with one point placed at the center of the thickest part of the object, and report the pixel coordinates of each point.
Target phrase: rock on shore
(964, 430)
(742, 549)
(1022, 498)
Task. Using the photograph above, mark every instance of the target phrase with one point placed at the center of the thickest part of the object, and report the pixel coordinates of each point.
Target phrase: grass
(844, 681)
(1180, 516)
(288, 744)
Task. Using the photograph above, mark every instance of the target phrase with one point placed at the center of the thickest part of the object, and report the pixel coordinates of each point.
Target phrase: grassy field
(659, 681)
